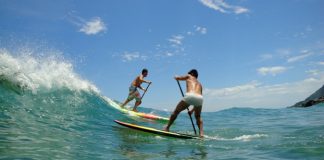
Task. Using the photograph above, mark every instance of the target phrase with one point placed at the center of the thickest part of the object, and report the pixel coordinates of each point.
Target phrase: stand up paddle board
(156, 131)
(138, 114)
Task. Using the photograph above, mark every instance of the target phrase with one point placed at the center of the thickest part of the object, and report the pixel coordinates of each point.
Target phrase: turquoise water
(61, 116)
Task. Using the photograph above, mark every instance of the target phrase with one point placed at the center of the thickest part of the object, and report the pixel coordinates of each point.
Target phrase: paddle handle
(193, 126)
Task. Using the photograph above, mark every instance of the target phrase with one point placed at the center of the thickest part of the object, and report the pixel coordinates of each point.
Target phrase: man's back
(193, 85)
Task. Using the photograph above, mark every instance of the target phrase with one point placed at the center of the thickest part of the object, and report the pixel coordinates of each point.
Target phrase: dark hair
(144, 71)
(193, 72)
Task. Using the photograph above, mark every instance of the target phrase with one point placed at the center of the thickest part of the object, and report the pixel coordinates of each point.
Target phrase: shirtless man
(133, 92)
(193, 97)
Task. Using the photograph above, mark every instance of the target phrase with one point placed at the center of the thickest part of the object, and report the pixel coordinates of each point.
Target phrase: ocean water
(48, 112)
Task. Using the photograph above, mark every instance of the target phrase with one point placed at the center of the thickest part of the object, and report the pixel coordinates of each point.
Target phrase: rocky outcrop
(315, 98)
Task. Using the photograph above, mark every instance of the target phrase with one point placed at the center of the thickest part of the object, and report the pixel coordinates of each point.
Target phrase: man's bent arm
(181, 78)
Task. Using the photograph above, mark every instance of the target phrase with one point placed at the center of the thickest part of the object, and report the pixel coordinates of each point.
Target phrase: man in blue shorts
(133, 92)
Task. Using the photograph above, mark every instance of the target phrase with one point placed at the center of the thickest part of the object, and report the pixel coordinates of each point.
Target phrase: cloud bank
(256, 94)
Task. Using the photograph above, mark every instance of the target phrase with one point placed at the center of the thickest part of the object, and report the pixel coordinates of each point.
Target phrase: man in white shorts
(193, 97)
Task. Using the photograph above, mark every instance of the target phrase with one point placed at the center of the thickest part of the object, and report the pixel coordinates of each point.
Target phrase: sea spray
(40, 74)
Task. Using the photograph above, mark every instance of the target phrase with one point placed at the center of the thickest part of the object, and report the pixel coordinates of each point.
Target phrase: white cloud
(126, 57)
(190, 33)
(198, 30)
(240, 10)
(271, 70)
(176, 45)
(320, 63)
(313, 72)
(176, 40)
(304, 55)
(221, 6)
(168, 54)
(261, 96)
(216, 5)
(201, 30)
(232, 90)
(93, 26)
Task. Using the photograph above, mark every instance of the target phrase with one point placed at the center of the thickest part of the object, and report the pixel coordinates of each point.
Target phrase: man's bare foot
(166, 129)
(135, 110)
(122, 105)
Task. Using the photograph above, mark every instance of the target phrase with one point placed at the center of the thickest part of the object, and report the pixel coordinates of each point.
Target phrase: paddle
(193, 126)
(145, 90)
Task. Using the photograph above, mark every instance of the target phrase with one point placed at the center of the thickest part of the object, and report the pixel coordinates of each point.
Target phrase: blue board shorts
(133, 93)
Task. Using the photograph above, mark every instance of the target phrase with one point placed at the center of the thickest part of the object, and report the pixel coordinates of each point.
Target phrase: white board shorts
(193, 99)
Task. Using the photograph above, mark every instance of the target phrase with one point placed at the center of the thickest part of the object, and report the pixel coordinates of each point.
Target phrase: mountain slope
(315, 98)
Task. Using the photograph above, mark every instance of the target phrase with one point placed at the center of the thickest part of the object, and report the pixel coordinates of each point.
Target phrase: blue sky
(249, 53)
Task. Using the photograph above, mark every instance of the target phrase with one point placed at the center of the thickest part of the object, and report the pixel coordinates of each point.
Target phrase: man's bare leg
(199, 120)
(137, 103)
(126, 101)
(180, 107)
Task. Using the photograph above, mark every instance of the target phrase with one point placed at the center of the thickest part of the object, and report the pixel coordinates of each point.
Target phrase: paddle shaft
(193, 126)
(145, 90)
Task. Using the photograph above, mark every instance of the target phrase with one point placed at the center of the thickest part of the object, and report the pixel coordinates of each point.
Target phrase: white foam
(244, 138)
(36, 73)
(249, 137)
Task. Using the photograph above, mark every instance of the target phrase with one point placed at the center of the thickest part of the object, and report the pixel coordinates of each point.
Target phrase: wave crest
(39, 73)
